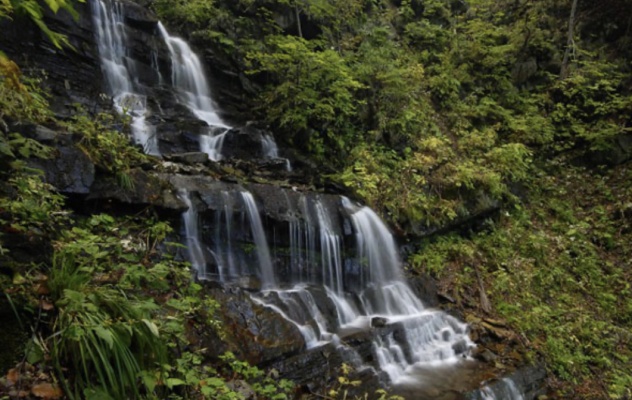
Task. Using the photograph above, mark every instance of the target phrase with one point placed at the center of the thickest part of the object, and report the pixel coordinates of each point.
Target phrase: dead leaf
(46, 391)
(46, 305)
(42, 289)
(13, 376)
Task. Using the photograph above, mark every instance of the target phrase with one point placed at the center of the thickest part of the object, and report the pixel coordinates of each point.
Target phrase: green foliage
(555, 270)
(106, 335)
(313, 91)
(591, 105)
(340, 391)
(108, 149)
(20, 97)
(35, 208)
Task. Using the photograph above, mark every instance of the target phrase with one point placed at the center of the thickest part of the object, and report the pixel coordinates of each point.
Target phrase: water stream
(361, 284)
(117, 68)
(189, 80)
(342, 272)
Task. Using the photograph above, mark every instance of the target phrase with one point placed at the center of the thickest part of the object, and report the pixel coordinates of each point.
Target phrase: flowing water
(503, 389)
(190, 218)
(271, 150)
(341, 273)
(118, 68)
(360, 284)
(189, 80)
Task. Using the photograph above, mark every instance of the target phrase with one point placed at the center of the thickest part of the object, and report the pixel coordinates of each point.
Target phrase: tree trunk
(570, 42)
(298, 21)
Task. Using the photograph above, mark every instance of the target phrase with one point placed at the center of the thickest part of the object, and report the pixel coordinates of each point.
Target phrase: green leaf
(105, 334)
(152, 327)
(171, 382)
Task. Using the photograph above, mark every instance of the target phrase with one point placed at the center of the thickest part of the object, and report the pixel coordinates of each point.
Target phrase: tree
(570, 41)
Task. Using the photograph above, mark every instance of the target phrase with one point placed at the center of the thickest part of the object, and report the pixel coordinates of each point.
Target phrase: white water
(263, 251)
(431, 338)
(188, 78)
(190, 218)
(111, 40)
(271, 150)
(330, 251)
(505, 389)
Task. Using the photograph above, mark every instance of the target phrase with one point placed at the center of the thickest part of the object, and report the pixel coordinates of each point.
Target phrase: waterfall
(331, 287)
(342, 274)
(190, 218)
(368, 286)
(111, 41)
(504, 389)
(187, 76)
(271, 150)
(259, 237)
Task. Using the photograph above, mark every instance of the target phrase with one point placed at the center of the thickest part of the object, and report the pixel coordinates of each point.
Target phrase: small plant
(344, 383)
(108, 149)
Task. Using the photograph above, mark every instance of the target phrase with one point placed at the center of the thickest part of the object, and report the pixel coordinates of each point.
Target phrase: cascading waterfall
(360, 289)
(342, 257)
(111, 41)
(187, 76)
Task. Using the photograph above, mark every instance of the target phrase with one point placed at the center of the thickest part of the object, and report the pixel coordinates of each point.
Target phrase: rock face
(69, 169)
(73, 75)
(251, 331)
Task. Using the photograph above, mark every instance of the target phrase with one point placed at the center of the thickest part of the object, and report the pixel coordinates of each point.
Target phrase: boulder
(253, 332)
(425, 288)
(70, 170)
(529, 380)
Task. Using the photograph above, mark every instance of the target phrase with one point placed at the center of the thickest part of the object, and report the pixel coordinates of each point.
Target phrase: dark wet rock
(45, 135)
(181, 135)
(425, 288)
(484, 354)
(244, 143)
(70, 170)
(189, 158)
(146, 189)
(72, 76)
(181, 169)
(317, 369)
(272, 167)
(249, 282)
(461, 347)
(253, 332)
(379, 322)
(139, 17)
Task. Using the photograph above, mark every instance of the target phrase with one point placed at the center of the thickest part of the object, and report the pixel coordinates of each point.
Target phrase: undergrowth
(557, 269)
